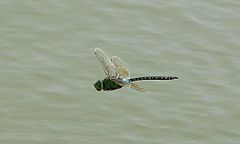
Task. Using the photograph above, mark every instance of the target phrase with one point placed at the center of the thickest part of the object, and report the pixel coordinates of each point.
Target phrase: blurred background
(48, 68)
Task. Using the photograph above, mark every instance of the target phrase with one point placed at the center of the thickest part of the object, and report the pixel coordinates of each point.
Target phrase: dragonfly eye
(98, 85)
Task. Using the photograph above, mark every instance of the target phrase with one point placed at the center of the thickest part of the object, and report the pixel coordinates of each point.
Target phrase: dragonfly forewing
(108, 67)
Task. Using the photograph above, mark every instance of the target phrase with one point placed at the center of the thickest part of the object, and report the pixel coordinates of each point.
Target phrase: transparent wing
(132, 85)
(108, 67)
(137, 87)
(121, 69)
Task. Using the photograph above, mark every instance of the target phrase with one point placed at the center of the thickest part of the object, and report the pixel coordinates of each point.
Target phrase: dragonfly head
(98, 85)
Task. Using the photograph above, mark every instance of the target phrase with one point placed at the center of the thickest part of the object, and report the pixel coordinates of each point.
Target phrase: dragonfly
(118, 75)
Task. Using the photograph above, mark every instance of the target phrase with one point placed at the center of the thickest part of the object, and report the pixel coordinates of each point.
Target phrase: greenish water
(48, 68)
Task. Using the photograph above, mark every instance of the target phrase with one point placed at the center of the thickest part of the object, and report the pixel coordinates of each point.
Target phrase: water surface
(48, 68)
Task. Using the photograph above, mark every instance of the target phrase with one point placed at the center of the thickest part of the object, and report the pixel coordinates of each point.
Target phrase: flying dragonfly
(118, 75)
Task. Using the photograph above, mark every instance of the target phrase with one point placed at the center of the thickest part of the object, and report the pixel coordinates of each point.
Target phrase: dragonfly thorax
(106, 85)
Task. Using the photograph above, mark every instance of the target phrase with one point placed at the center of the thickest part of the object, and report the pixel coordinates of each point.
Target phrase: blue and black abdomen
(153, 78)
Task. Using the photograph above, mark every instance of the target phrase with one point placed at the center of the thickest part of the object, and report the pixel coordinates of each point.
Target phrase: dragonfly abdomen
(153, 78)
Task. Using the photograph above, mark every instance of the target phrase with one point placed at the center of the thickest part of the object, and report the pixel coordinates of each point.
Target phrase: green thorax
(109, 85)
